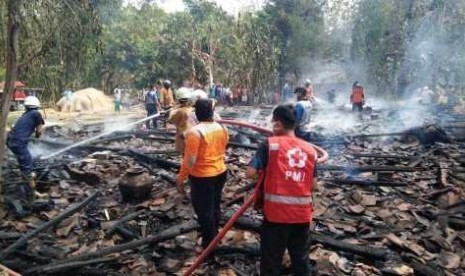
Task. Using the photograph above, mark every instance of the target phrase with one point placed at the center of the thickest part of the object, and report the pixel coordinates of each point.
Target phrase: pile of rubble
(390, 203)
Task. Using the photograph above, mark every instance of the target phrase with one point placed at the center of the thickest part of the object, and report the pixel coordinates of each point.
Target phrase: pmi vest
(288, 180)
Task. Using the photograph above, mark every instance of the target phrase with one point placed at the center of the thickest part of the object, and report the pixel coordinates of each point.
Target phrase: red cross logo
(297, 158)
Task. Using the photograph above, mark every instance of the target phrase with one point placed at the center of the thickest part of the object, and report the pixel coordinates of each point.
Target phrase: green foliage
(73, 44)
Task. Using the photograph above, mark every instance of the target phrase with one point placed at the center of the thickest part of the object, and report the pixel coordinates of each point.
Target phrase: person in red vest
(286, 166)
(357, 98)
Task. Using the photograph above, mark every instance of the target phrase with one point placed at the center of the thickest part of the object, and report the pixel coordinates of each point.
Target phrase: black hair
(204, 110)
(285, 113)
(355, 84)
(300, 91)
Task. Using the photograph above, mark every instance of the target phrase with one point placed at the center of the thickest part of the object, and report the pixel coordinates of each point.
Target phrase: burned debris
(389, 203)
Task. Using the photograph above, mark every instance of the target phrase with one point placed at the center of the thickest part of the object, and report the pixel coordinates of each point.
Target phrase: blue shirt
(151, 97)
(303, 115)
(26, 125)
(260, 159)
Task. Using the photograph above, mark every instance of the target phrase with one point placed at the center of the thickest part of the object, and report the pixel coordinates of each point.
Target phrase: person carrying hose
(18, 138)
(288, 167)
(204, 164)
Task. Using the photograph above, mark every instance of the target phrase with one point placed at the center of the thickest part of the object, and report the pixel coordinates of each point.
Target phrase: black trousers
(275, 239)
(206, 199)
(357, 106)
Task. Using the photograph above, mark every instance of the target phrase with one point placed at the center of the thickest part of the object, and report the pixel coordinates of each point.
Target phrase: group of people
(234, 95)
(284, 165)
(158, 98)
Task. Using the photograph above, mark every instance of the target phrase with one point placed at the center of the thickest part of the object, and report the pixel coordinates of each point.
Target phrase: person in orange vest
(357, 98)
(204, 164)
(286, 167)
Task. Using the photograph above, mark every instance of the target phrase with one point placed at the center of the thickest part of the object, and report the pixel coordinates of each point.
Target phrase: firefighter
(18, 138)
(286, 166)
(357, 97)
(166, 95)
(180, 117)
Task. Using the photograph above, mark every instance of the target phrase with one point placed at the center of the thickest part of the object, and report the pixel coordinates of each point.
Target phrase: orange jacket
(166, 98)
(205, 151)
(357, 95)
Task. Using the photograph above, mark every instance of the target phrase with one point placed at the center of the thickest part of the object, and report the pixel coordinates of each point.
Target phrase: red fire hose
(322, 154)
(323, 157)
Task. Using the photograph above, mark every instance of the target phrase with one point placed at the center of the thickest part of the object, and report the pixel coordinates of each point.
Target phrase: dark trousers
(151, 110)
(206, 199)
(275, 238)
(22, 154)
(357, 106)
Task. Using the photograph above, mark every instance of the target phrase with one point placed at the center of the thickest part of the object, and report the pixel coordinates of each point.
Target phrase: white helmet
(183, 93)
(308, 81)
(198, 94)
(32, 102)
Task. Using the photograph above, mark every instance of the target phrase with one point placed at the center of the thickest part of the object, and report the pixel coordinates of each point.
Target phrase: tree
(298, 26)
(31, 23)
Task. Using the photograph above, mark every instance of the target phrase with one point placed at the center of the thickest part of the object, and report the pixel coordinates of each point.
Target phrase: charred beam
(381, 156)
(368, 168)
(366, 182)
(122, 220)
(162, 236)
(22, 241)
(52, 268)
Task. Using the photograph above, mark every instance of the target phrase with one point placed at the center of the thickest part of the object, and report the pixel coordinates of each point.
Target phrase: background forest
(392, 46)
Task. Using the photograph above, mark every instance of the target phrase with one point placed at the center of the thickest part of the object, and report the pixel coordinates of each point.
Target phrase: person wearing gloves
(18, 138)
(204, 165)
(181, 117)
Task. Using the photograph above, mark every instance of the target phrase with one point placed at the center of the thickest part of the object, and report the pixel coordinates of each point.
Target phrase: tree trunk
(12, 52)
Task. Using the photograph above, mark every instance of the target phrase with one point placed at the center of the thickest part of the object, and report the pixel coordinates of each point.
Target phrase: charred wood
(368, 168)
(372, 155)
(367, 251)
(64, 267)
(367, 182)
(122, 220)
(22, 241)
(162, 236)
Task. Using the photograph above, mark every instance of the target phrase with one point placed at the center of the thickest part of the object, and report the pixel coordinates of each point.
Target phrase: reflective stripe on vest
(288, 199)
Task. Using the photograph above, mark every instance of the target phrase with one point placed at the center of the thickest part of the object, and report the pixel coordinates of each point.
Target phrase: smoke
(40, 149)
(117, 124)
(422, 57)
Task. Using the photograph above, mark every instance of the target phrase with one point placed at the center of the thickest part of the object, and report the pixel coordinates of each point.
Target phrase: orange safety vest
(357, 95)
(288, 184)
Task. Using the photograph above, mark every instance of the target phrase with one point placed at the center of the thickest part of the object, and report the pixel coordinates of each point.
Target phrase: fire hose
(322, 157)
